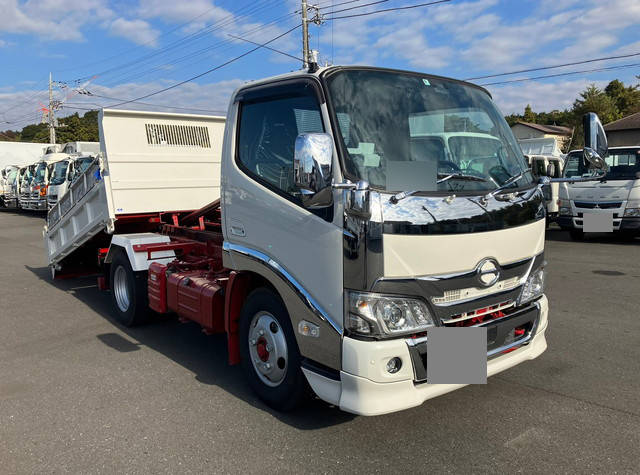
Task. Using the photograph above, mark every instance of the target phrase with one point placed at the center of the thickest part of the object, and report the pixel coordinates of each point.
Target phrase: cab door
(262, 209)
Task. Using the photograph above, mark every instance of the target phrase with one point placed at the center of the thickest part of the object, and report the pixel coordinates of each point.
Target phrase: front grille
(479, 315)
(459, 295)
(592, 205)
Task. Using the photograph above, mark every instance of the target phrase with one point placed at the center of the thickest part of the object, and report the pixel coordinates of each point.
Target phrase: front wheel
(269, 352)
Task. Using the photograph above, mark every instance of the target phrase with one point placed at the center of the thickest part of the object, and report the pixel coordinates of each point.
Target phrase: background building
(625, 131)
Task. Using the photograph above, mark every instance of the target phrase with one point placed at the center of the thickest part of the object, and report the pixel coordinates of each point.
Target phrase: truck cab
(62, 173)
(337, 190)
(27, 176)
(550, 166)
(40, 183)
(615, 199)
(8, 177)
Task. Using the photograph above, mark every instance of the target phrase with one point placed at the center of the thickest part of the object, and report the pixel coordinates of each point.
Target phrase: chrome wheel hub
(121, 289)
(268, 349)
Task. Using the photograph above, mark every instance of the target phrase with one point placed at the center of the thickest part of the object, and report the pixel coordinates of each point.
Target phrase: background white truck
(15, 155)
(614, 201)
(309, 229)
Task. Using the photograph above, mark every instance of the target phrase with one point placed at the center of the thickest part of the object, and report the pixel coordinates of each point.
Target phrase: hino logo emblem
(487, 272)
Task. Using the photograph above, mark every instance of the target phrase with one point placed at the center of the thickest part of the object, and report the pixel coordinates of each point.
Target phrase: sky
(102, 52)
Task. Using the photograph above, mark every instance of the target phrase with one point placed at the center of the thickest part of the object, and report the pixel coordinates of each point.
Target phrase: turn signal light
(43, 190)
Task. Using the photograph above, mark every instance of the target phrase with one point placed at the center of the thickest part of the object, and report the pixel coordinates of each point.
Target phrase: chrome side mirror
(312, 169)
(595, 142)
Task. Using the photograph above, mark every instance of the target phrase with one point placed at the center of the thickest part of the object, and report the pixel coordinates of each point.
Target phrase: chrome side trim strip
(306, 297)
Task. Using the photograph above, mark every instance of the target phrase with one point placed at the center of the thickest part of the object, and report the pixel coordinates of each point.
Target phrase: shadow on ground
(205, 356)
(554, 233)
(41, 215)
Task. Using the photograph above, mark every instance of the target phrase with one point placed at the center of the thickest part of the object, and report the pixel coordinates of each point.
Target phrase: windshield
(28, 175)
(404, 132)
(623, 165)
(81, 166)
(38, 176)
(59, 174)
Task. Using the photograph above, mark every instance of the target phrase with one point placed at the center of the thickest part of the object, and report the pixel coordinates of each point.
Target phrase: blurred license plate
(597, 222)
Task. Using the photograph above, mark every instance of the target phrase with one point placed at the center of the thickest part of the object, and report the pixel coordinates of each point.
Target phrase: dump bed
(149, 163)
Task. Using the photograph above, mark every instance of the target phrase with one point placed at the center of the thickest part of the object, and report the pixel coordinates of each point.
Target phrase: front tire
(269, 353)
(128, 291)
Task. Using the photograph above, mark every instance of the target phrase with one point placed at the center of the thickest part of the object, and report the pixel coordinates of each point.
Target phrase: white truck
(309, 229)
(61, 171)
(611, 204)
(8, 180)
(551, 166)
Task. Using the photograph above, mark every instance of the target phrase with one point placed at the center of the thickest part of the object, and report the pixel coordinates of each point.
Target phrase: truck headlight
(632, 209)
(371, 314)
(564, 207)
(534, 286)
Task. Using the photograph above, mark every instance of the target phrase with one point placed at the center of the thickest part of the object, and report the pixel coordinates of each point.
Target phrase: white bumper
(367, 389)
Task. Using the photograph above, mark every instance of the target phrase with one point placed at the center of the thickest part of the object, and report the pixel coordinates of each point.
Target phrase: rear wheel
(269, 352)
(128, 291)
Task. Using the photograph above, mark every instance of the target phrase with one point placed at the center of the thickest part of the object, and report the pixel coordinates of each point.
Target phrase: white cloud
(136, 31)
(52, 19)
(208, 99)
(512, 98)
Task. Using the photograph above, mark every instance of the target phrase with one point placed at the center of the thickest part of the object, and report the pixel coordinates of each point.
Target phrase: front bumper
(366, 388)
(620, 224)
(38, 205)
(630, 224)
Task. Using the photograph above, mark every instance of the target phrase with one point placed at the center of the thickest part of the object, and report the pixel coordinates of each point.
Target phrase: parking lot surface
(80, 394)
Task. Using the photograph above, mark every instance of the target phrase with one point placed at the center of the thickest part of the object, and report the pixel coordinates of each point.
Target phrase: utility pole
(305, 35)
(52, 129)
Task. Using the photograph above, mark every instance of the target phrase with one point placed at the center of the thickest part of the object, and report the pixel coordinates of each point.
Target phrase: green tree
(529, 115)
(627, 99)
(35, 133)
(592, 99)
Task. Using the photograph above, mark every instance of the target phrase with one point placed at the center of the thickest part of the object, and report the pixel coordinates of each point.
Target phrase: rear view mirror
(312, 169)
(595, 142)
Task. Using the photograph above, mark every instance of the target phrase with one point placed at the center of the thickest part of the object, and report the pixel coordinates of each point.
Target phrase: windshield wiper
(497, 190)
(402, 195)
(458, 175)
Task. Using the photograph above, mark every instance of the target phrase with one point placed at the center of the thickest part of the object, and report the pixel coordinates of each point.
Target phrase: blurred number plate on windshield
(597, 222)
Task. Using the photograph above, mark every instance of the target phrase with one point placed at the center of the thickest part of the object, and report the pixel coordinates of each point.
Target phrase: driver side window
(267, 134)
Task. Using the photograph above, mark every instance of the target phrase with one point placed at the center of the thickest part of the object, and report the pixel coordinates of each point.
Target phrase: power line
(555, 66)
(623, 66)
(331, 4)
(360, 6)
(91, 94)
(227, 20)
(142, 44)
(220, 66)
(407, 7)
(267, 47)
(128, 76)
